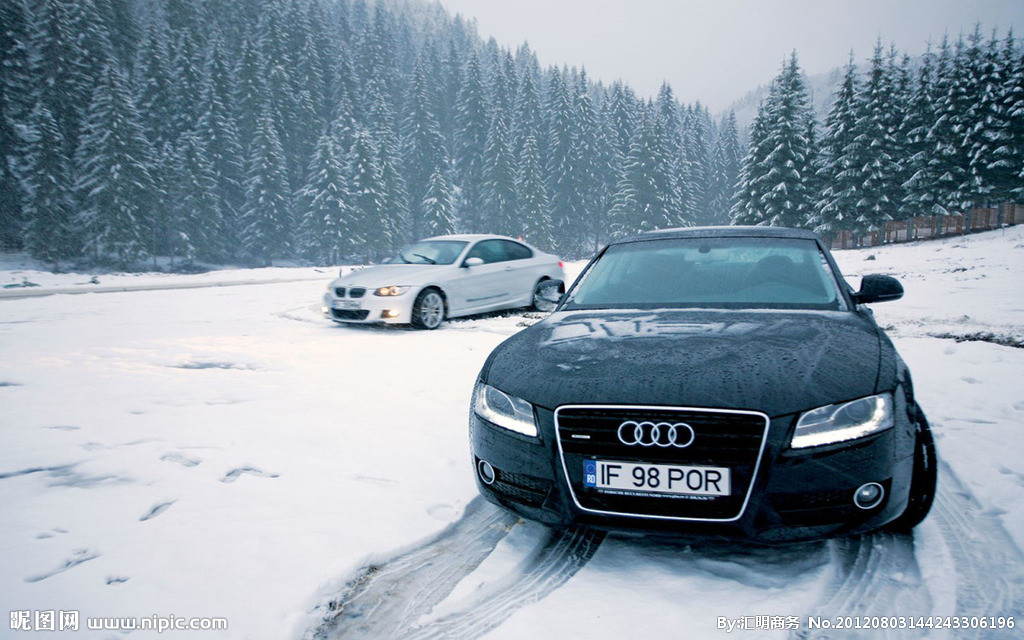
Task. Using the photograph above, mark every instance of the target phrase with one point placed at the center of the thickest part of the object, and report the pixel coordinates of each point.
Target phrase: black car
(708, 381)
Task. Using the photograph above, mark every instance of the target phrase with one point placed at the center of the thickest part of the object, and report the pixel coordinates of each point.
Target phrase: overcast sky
(717, 50)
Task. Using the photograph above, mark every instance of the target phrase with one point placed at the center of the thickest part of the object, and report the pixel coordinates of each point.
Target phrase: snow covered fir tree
(254, 131)
(903, 140)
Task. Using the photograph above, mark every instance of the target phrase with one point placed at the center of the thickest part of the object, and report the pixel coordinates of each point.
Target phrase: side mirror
(548, 294)
(878, 288)
(472, 262)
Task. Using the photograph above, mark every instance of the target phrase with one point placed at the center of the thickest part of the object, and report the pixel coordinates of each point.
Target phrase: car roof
(722, 232)
(470, 237)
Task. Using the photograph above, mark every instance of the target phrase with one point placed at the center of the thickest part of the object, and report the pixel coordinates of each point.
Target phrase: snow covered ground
(225, 452)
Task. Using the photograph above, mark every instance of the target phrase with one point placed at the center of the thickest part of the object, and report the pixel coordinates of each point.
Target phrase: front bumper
(795, 494)
(369, 308)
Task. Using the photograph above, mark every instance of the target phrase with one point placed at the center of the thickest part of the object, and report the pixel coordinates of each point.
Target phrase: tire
(428, 310)
(924, 481)
(536, 289)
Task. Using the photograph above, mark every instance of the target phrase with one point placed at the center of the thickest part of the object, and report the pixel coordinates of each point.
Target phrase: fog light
(869, 495)
(486, 472)
(324, 310)
(390, 313)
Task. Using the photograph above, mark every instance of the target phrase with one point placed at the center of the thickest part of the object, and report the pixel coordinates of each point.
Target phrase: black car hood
(778, 362)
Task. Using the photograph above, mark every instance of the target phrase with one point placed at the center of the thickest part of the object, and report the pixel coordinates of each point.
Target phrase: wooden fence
(981, 219)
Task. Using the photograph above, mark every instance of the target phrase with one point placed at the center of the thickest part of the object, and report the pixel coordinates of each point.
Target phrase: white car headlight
(504, 410)
(394, 290)
(844, 421)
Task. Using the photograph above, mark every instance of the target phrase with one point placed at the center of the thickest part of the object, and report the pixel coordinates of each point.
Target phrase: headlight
(504, 410)
(390, 291)
(845, 421)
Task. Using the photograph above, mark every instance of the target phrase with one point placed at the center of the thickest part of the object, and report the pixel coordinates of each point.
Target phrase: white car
(443, 277)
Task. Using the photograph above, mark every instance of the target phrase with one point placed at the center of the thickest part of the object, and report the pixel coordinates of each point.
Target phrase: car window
(516, 251)
(429, 252)
(730, 273)
(489, 251)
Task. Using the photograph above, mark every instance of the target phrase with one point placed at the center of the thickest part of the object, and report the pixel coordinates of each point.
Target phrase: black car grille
(350, 314)
(357, 292)
(721, 439)
(339, 292)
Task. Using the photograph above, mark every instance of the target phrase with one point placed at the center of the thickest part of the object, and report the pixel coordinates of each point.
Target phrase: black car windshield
(715, 273)
(429, 252)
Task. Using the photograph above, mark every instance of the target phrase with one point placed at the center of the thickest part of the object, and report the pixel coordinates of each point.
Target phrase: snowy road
(224, 452)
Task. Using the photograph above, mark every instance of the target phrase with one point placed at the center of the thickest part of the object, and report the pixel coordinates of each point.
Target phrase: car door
(522, 270)
(487, 285)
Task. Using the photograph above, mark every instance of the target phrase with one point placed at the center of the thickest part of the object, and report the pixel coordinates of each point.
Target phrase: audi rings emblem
(656, 434)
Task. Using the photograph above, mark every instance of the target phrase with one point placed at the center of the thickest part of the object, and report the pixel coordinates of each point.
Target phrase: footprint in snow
(234, 474)
(78, 557)
(180, 458)
(116, 579)
(156, 510)
(444, 512)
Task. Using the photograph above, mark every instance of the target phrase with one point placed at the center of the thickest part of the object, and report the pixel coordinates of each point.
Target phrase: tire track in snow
(989, 566)
(390, 600)
(558, 560)
(878, 574)
(872, 575)
(385, 600)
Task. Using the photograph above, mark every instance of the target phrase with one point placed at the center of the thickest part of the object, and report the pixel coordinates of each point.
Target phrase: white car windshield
(429, 252)
(723, 273)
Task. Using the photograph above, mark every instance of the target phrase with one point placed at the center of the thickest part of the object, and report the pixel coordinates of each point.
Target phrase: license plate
(346, 304)
(656, 478)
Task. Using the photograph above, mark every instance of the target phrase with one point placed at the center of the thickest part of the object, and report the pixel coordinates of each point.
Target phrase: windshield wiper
(430, 260)
(403, 258)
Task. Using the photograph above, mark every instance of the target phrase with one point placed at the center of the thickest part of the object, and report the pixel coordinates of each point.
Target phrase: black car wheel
(924, 482)
(534, 306)
(428, 310)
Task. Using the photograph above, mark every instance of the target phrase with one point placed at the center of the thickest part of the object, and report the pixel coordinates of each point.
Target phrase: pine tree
(498, 187)
(437, 206)
(535, 216)
(776, 190)
(726, 170)
(218, 129)
(325, 233)
(563, 183)
(196, 221)
(15, 108)
(394, 222)
(590, 176)
(647, 197)
(54, 67)
(919, 186)
(746, 200)
(156, 89)
(842, 155)
(698, 155)
(945, 134)
(423, 144)
(267, 212)
(976, 93)
(987, 132)
(368, 196)
(472, 121)
(1006, 163)
(113, 163)
(877, 118)
(49, 233)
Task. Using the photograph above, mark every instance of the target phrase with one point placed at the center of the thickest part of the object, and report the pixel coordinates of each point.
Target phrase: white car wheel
(428, 310)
